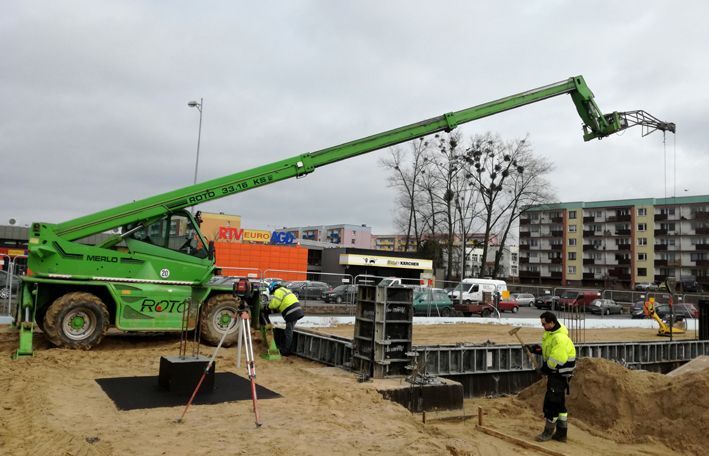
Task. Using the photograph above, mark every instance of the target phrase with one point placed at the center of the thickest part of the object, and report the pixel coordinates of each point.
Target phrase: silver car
(605, 307)
(523, 299)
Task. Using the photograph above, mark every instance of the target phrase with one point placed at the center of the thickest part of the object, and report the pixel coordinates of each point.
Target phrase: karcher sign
(385, 262)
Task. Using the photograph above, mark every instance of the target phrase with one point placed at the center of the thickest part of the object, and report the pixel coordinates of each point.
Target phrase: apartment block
(344, 235)
(615, 243)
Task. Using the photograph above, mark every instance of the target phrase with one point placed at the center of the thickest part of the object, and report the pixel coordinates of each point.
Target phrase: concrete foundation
(181, 375)
(439, 394)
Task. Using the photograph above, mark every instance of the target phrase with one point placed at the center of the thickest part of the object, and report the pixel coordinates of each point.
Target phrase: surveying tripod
(242, 321)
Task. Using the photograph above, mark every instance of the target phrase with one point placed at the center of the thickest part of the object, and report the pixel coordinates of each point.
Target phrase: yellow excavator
(670, 326)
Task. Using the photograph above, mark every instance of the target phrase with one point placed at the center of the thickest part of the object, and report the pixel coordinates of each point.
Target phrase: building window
(572, 241)
(642, 271)
(642, 226)
(642, 211)
(572, 255)
(572, 215)
(642, 241)
(572, 228)
(642, 256)
(572, 269)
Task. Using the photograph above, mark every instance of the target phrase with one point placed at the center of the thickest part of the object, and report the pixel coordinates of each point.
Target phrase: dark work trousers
(288, 342)
(555, 398)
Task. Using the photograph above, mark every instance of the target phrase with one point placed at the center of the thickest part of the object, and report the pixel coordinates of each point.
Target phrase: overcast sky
(95, 97)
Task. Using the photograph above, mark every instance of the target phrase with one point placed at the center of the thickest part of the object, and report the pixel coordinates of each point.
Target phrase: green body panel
(58, 264)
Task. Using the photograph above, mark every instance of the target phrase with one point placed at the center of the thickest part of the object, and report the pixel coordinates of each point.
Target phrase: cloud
(95, 97)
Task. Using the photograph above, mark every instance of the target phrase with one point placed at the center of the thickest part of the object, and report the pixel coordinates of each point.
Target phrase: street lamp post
(194, 104)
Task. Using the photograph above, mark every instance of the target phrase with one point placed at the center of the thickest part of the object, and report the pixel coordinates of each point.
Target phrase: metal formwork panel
(480, 359)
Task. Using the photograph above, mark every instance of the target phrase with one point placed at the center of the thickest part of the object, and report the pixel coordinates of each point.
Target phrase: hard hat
(272, 286)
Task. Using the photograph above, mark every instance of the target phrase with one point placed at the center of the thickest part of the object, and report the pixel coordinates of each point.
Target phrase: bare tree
(404, 179)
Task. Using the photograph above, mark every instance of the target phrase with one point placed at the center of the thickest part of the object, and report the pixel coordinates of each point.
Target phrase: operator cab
(178, 232)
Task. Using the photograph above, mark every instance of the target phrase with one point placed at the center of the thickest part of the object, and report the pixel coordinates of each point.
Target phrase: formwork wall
(263, 258)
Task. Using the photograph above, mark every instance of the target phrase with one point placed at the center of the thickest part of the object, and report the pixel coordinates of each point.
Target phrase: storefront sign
(385, 262)
(227, 233)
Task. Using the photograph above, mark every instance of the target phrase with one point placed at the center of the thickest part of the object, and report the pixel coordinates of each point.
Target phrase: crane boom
(595, 125)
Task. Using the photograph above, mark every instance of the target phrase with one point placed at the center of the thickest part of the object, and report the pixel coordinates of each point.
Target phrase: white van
(474, 288)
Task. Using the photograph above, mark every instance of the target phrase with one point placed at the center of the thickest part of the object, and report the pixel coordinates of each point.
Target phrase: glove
(534, 348)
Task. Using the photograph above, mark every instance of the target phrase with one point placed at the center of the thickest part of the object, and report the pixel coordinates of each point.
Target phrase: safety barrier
(9, 286)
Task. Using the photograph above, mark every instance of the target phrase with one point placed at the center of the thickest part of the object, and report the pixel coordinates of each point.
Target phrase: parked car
(646, 287)
(8, 283)
(578, 299)
(547, 302)
(341, 293)
(523, 299)
(690, 286)
(605, 307)
(508, 306)
(308, 289)
(679, 310)
(432, 301)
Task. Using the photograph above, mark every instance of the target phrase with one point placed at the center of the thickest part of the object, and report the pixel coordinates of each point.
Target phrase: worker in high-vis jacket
(286, 302)
(559, 355)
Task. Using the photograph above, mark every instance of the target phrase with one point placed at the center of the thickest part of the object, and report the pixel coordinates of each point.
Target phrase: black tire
(446, 312)
(486, 313)
(467, 314)
(338, 300)
(219, 314)
(76, 320)
(515, 309)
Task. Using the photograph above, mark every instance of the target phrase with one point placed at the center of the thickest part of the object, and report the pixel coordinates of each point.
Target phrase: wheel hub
(79, 324)
(223, 320)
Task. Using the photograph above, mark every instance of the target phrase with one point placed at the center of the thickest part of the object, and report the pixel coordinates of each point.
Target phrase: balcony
(624, 247)
(529, 274)
(701, 215)
(524, 234)
(701, 231)
(524, 221)
(660, 217)
(661, 232)
(556, 274)
(623, 260)
(524, 247)
(556, 261)
(588, 233)
(557, 233)
(523, 260)
(588, 276)
(557, 247)
(622, 232)
(557, 220)
(702, 247)
(702, 263)
(663, 247)
(660, 263)
(589, 261)
(590, 219)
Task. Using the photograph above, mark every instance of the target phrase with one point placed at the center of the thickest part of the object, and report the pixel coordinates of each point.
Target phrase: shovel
(530, 355)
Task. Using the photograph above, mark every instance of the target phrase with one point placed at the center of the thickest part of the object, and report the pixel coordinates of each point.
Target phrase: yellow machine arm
(649, 310)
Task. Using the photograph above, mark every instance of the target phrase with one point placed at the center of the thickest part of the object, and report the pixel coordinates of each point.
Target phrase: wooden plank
(516, 441)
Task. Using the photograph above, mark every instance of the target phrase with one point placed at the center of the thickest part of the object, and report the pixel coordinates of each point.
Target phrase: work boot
(561, 428)
(548, 431)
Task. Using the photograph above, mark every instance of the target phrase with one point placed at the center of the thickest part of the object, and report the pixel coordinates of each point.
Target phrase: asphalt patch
(130, 393)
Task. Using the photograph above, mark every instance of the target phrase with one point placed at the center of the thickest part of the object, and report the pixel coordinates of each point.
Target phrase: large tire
(76, 320)
(446, 312)
(486, 313)
(219, 314)
(515, 309)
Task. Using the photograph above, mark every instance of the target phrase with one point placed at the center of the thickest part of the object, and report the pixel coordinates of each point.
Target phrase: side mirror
(211, 250)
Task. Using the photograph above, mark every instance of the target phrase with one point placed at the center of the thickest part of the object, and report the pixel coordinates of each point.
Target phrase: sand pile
(634, 406)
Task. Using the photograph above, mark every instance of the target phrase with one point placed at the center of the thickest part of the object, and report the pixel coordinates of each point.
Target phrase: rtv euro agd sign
(227, 233)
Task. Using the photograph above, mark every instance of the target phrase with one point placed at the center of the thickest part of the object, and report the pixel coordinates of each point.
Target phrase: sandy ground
(51, 405)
